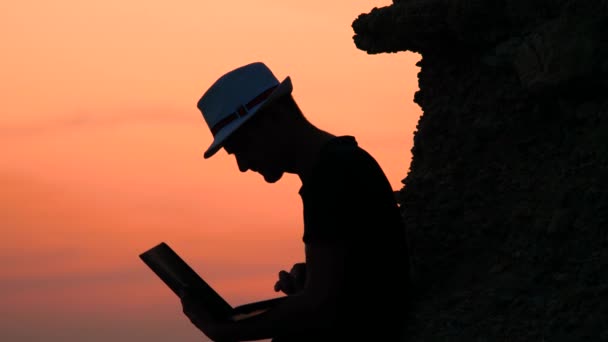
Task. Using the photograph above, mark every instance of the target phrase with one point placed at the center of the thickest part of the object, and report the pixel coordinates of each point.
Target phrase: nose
(243, 165)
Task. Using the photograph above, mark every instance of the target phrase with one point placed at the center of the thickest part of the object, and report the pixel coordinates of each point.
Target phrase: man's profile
(356, 267)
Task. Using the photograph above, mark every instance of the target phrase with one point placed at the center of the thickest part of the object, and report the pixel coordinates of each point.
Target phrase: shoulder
(343, 152)
(346, 169)
(344, 158)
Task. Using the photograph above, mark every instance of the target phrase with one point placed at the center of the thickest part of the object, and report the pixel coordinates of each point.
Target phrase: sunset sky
(102, 150)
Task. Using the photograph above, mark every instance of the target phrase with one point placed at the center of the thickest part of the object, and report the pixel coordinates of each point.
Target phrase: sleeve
(337, 205)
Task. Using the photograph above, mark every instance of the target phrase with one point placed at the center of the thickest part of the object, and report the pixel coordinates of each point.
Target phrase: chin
(272, 177)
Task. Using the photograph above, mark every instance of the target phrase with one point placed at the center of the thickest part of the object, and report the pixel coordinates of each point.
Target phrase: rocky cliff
(506, 200)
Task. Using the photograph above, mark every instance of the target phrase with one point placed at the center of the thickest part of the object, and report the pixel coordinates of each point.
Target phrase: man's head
(236, 97)
(259, 135)
(264, 144)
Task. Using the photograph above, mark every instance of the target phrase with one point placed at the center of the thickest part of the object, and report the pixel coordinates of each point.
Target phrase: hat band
(242, 110)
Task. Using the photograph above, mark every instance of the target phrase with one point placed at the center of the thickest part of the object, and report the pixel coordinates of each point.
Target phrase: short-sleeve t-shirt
(347, 199)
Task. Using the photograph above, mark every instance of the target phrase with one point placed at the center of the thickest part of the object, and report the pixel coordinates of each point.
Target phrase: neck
(305, 150)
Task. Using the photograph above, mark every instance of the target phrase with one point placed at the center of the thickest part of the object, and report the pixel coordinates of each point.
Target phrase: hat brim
(283, 88)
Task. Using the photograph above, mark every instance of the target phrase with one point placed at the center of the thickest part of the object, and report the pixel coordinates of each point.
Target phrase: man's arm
(312, 309)
(292, 282)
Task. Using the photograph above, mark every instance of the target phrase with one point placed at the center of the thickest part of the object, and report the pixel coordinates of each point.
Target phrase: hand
(292, 282)
(195, 309)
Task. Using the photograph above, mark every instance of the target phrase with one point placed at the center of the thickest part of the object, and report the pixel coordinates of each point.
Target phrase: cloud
(69, 281)
(84, 120)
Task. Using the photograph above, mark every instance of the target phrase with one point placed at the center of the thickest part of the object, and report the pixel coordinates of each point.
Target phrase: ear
(269, 117)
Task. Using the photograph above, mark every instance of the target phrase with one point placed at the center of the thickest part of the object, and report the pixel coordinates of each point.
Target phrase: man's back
(348, 200)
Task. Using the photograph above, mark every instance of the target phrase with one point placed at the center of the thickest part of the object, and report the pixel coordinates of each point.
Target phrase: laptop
(177, 274)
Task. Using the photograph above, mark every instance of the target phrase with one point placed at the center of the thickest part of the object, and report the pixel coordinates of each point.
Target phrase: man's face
(252, 146)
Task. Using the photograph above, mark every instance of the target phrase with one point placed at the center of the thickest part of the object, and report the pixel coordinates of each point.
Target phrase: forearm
(295, 315)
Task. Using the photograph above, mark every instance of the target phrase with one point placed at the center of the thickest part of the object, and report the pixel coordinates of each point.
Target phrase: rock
(506, 195)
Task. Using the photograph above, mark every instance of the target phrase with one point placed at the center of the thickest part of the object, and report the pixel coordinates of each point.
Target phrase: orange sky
(102, 153)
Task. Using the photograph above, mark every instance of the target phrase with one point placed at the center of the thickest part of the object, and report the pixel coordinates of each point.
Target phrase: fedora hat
(235, 98)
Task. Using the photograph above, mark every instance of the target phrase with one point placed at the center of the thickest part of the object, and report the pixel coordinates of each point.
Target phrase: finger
(187, 309)
(189, 300)
(285, 282)
(285, 279)
(185, 291)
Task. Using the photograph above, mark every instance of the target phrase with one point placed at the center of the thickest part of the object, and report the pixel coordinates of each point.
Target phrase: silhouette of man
(353, 285)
